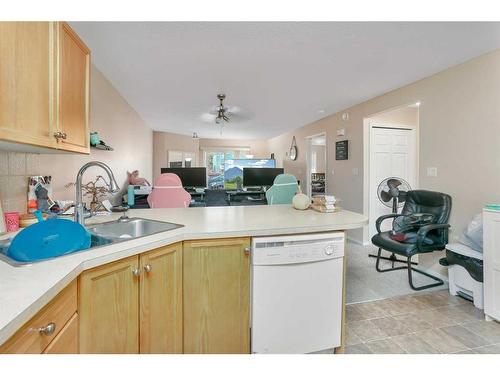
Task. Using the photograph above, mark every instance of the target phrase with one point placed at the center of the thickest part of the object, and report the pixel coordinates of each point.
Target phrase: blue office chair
(284, 188)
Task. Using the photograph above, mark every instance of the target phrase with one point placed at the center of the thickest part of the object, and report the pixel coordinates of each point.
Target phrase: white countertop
(25, 290)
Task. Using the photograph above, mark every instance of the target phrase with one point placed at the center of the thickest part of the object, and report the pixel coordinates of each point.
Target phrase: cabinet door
(161, 300)
(66, 342)
(491, 261)
(109, 308)
(26, 93)
(216, 296)
(74, 65)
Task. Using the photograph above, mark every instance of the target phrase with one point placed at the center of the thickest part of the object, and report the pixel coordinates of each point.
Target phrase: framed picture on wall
(341, 150)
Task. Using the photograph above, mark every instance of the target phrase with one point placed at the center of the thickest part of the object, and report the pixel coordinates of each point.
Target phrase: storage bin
(465, 272)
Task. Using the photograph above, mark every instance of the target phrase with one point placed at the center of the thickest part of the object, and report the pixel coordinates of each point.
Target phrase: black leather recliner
(417, 201)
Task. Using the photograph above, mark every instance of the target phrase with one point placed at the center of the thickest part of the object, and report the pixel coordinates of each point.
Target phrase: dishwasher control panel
(297, 248)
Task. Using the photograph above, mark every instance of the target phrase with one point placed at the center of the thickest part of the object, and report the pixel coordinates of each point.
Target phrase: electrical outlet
(432, 172)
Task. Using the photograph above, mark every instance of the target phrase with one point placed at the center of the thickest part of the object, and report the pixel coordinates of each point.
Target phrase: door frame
(368, 124)
(308, 190)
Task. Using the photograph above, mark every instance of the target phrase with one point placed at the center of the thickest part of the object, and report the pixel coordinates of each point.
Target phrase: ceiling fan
(221, 114)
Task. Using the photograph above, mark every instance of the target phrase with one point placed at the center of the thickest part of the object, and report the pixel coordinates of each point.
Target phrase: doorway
(316, 165)
(391, 150)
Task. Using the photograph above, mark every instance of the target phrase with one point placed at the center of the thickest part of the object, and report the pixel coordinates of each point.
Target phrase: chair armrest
(424, 230)
(379, 221)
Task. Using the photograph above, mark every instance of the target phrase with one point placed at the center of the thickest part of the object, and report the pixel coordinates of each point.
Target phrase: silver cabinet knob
(247, 250)
(136, 272)
(60, 135)
(148, 268)
(48, 330)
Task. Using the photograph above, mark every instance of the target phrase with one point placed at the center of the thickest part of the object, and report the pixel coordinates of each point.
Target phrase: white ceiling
(285, 74)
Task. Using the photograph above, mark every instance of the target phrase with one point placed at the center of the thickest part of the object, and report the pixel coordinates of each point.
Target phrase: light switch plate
(432, 172)
(355, 171)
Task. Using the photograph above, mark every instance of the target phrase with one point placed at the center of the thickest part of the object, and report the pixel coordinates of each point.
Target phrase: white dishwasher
(297, 293)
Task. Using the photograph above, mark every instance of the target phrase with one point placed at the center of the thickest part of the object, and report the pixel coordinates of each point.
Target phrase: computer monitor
(260, 176)
(233, 170)
(195, 177)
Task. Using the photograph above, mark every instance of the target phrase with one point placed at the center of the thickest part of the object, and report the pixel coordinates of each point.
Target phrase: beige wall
(399, 116)
(459, 133)
(164, 141)
(118, 125)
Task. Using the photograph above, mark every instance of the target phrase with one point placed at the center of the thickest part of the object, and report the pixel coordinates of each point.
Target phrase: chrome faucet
(79, 218)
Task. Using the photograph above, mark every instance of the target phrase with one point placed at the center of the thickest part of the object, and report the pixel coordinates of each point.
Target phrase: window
(214, 161)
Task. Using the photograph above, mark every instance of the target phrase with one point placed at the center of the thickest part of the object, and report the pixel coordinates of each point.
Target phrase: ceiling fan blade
(207, 117)
(385, 196)
(240, 116)
(233, 109)
(393, 183)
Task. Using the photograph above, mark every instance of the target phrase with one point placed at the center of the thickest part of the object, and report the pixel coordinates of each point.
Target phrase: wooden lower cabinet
(109, 308)
(161, 300)
(46, 327)
(190, 297)
(66, 342)
(133, 305)
(216, 296)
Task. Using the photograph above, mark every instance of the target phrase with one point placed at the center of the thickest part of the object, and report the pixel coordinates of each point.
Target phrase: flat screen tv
(195, 177)
(233, 170)
(255, 177)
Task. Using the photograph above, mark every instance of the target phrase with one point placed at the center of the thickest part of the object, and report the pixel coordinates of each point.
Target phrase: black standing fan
(392, 193)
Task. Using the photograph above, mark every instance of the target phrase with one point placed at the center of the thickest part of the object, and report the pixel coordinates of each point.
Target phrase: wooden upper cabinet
(44, 86)
(161, 300)
(216, 296)
(74, 75)
(27, 85)
(108, 306)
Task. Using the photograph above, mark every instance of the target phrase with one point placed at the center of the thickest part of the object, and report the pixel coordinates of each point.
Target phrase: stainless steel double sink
(105, 234)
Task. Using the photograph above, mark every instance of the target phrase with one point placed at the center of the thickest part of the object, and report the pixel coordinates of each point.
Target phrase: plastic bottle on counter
(130, 196)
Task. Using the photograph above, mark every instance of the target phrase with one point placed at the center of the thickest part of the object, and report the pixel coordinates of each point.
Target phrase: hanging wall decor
(341, 150)
(293, 152)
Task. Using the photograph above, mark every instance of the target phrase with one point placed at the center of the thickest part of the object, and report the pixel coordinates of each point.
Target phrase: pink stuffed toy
(134, 179)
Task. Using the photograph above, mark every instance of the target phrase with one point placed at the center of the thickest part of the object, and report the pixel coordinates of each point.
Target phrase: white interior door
(393, 153)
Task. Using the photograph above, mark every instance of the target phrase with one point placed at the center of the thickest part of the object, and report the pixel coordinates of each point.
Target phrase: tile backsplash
(15, 168)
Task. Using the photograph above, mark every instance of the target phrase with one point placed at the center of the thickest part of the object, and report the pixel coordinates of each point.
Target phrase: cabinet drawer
(59, 311)
(66, 342)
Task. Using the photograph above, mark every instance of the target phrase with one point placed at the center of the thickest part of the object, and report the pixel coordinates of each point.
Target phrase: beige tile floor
(424, 323)
(364, 283)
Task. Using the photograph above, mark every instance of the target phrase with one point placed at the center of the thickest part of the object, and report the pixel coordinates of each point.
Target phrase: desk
(246, 198)
(235, 197)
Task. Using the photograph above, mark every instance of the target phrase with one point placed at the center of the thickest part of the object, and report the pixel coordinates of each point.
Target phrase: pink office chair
(168, 192)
